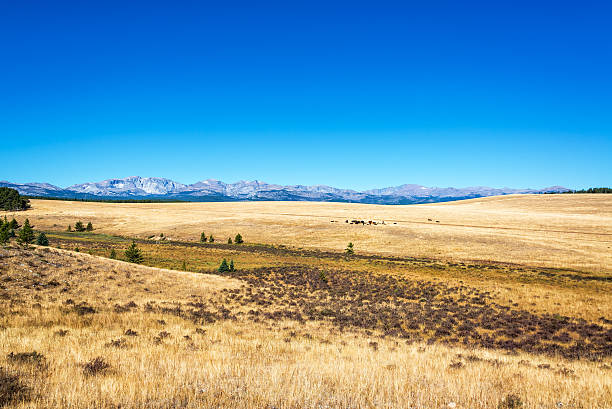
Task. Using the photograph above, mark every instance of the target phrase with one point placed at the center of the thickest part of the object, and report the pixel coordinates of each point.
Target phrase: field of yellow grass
(163, 342)
(499, 303)
(566, 231)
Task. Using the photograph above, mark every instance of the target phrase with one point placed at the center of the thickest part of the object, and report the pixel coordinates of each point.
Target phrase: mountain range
(136, 187)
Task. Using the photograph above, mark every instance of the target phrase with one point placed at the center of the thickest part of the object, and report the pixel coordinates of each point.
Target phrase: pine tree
(211, 239)
(69, 228)
(231, 266)
(133, 254)
(229, 241)
(89, 227)
(13, 225)
(42, 240)
(203, 238)
(26, 234)
(238, 239)
(4, 233)
(113, 254)
(349, 249)
(223, 268)
(78, 226)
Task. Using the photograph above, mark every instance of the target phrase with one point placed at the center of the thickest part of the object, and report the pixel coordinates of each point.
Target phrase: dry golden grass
(239, 363)
(567, 231)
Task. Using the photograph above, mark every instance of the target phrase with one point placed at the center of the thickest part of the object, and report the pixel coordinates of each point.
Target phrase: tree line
(11, 200)
(592, 190)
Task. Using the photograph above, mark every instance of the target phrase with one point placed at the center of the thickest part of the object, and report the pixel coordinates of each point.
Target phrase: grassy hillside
(83, 331)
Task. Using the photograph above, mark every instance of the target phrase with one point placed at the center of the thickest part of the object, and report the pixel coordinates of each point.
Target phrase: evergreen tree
(13, 225)
(133, 254)
(211, 239)
(89, 227)
(4, 233)
(26, 234)
(238, 239)
(42, 240)
(231, 266)
(69, 228)
(78, 226)
(229, 241)
(113, 254)
(203, 238)
(223, 268)
(349, 249)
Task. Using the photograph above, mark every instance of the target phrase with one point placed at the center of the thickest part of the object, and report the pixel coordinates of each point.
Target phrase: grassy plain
(564, 231)
(180, 339)
(299, 324)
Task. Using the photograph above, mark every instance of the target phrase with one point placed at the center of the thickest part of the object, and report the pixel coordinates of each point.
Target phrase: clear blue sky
(350, 94)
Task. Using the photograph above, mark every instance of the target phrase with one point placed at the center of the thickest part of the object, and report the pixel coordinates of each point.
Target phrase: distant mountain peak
(137, 187)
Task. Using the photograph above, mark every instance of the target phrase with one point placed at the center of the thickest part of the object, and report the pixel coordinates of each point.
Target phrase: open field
(180, 339)
(497, 321)
(566, 231)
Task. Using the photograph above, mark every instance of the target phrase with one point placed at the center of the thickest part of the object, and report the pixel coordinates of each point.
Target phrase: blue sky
(350, 94)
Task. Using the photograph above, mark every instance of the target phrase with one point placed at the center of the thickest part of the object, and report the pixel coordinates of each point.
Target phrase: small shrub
(95, 367)
(349, 249)
(211, 239)
(203, 238)
(113, 254)
(231, 266)
(511, 401)
(229, 240)
(77, 249)
(78, 226)
(238, 239)
(89, 227)
(33, 358)
(11, 389)
(69, 228)
(323, 276)
(184, 266)
(84, 308)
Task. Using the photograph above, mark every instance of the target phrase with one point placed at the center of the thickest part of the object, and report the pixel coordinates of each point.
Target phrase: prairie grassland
(538, 290)
(561, 231)
(180, 339)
